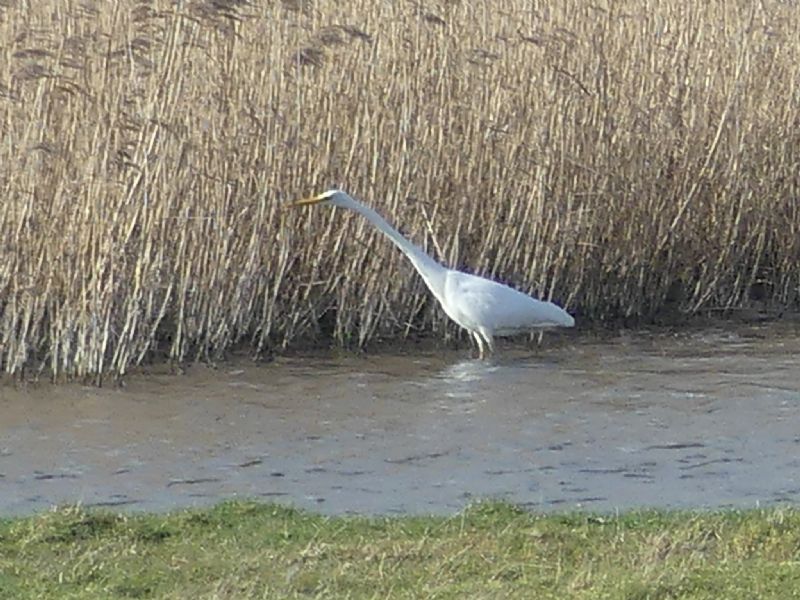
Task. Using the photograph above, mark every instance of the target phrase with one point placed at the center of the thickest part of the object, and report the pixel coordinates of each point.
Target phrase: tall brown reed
(616, 156)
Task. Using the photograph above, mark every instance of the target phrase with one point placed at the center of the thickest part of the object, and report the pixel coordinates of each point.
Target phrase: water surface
(701, 419)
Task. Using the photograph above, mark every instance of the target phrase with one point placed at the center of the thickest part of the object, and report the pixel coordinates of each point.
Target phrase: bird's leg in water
(488, 340)
(478, 341)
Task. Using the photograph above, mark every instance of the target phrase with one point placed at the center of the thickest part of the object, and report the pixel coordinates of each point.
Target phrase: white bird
(483, 307)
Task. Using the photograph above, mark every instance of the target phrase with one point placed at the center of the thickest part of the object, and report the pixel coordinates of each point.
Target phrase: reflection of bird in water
(483, 307)
(464, 380)
(466, 371)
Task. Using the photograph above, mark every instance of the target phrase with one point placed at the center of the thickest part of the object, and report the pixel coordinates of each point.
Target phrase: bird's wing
(485, 304)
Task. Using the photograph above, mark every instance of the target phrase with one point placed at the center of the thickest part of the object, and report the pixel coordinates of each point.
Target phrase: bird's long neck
(432, 272)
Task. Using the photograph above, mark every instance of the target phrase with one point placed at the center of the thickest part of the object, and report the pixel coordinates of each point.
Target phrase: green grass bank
(624, 158)
(245, 550)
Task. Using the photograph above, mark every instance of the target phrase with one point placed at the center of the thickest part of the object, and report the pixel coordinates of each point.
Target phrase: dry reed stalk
(620, 157)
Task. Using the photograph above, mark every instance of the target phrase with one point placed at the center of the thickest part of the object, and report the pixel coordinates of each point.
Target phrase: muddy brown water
(696, 419)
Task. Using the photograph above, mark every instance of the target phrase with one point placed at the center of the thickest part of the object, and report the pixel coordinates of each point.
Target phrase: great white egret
(483, 307)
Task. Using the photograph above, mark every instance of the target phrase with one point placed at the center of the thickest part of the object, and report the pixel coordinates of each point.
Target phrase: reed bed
(623, 158)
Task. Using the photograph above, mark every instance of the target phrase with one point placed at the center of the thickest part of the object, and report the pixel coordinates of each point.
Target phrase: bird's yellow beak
(307, 201)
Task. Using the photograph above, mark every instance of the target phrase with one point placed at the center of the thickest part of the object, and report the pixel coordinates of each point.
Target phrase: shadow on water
(702, 419)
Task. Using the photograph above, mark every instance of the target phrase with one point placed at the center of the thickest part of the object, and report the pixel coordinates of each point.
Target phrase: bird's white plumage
(483, 307)
(480, 303)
